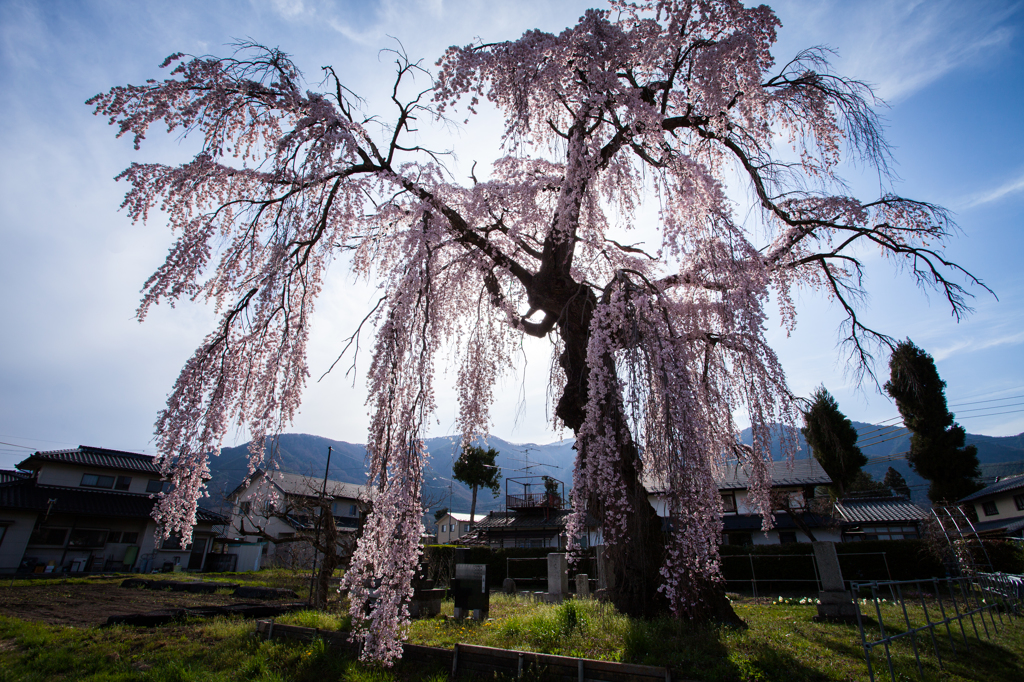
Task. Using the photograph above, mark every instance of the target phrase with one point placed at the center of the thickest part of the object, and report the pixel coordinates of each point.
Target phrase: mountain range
(307, 454)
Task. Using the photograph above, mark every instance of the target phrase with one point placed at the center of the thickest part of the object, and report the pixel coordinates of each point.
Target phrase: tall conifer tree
(833, 440)
(937, 450)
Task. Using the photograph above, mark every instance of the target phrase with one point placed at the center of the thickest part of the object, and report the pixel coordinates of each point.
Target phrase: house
(874, 517)
(1000, 508)
(797, 512)
(278, 505)
(535, 516)
(452, 526)
(89, 509)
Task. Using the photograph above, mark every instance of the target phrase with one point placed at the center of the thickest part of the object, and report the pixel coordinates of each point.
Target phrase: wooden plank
(474, 656)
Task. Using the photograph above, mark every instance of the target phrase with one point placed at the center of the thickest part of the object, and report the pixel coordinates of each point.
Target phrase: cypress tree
(833, 440)
(937, 450)
(895, 482)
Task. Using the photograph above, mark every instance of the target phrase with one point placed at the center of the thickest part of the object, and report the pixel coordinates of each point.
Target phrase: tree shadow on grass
(713, 653)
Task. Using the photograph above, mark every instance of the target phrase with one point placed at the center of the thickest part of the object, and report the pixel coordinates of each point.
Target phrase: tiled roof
(879, 510)
(310, 486)
(9, 476)
(783, 521)
(557, 518)
(736, 476)
(101, 458)
(1003, 486)
(27, 495)
(1008, 525)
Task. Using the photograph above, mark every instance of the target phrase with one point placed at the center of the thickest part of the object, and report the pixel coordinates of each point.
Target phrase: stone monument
(834, 600)
(558, 577)
(582, 585)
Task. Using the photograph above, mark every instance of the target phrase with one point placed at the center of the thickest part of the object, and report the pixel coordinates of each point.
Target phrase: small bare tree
(316, 531)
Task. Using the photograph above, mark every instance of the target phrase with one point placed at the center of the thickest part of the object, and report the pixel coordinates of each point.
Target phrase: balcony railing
(533, 501)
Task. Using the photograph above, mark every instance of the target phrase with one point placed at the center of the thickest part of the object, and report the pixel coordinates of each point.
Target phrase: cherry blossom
(654, 350)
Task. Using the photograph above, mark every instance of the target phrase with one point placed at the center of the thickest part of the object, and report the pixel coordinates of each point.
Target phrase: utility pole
(323, 492)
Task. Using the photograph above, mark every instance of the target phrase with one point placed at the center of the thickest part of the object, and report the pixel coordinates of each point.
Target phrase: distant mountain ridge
(998, 455)
(307, 454)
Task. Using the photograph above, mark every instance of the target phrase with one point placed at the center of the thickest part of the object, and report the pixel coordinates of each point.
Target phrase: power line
(992, 407)
(993, 400)
(993, 414)
(882, 434)
(886, 440)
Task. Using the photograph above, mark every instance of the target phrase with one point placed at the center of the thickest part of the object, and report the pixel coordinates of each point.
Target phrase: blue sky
(75, 368)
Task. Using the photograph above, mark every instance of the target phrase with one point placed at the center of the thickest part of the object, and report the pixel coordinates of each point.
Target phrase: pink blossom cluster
(655, 348)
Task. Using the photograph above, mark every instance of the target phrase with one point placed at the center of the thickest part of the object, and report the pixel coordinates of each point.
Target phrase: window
(352, 511)
(740, 539)
(154, 486)
(990, 508)
(3, 531)
(130, 538)
(1019, 501)
(729, 502)
(96, 481)
(113, 537)
(123, 482)
(465, 528)
(48, 536)
(244, 507)
(444, 528)
(787, 537)
(84, 537)
(173, 543)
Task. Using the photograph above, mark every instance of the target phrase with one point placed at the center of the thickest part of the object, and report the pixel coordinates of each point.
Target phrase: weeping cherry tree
(655, 348)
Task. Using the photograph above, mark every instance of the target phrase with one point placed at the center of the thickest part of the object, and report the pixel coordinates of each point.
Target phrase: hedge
(437, 560)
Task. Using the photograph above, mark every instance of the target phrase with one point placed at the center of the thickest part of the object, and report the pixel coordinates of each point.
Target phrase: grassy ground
(214, 651)
(781, 643)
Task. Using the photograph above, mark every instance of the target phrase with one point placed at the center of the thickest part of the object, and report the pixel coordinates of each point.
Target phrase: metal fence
(803, 566)
(934, 611)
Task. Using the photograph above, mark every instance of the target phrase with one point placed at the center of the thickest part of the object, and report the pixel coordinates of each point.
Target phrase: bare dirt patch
(89, 604)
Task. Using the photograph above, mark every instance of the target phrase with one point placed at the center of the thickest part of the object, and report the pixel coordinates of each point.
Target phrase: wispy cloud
(1009, 187)
(901, 47)
(971, 345)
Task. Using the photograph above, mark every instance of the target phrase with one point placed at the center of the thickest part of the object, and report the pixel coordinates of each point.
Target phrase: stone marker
(835, 603)
(508, 586)
(582, 585)
(558, 577)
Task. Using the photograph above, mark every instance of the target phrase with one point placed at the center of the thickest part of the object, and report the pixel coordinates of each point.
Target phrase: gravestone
(834, 601)
(558, 577)
(582, 585)
(469, 591)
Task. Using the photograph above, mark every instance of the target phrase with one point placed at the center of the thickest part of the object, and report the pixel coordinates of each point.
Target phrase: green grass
(782, 642)
(218, 650)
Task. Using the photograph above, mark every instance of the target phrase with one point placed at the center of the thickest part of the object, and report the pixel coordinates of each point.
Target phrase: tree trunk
(331, 560)
(635, 561)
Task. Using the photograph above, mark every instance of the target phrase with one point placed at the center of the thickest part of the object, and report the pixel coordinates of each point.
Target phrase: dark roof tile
(94, 457)
(26, 494)
(1005, 485)
(879, 510)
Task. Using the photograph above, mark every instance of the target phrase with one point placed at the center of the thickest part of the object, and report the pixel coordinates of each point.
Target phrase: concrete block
(582, 585)
(558, 574)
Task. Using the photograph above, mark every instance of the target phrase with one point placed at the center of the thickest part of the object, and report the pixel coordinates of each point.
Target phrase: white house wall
(19, 525)
(1005, 505)
(70, 476)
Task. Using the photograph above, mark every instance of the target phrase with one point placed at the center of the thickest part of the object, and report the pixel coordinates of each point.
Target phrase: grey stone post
(582, 585)
(835, 602)
(558, 577)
